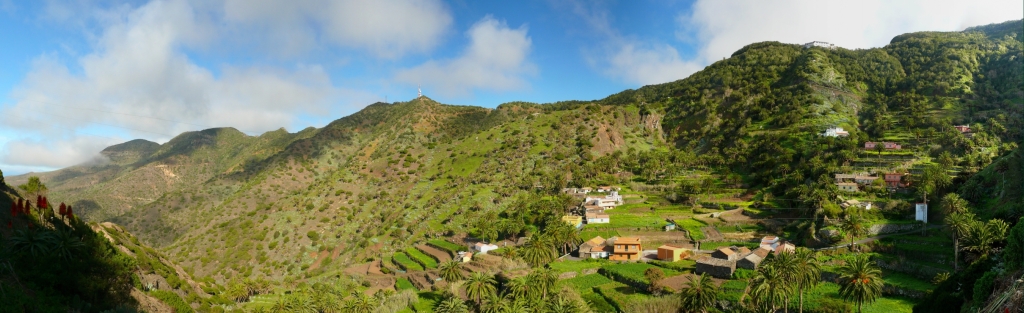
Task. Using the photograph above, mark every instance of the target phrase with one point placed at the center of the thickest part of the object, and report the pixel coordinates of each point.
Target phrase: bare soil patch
(676, 282)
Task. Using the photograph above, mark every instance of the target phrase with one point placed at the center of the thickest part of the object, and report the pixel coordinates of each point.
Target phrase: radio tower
(419, 91)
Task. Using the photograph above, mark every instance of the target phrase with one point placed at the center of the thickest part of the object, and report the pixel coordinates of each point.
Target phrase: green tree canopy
(34, 186)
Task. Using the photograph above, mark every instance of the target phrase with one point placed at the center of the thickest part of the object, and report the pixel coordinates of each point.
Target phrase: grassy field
(619, 294)
(710, 245)
(693, 226)
(907, 281)
(575, 266)
(586, 283)
(421, 258)
(828, 293)
(635, 271)
(403, 284)
(587, 233)
(629, 220)
(445, 245)
(404, 261)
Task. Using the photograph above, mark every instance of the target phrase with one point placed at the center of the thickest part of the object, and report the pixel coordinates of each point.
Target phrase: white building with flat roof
(820, 44)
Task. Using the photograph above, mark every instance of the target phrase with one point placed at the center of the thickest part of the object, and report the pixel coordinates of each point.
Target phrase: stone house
(715, 267)
(724, 254)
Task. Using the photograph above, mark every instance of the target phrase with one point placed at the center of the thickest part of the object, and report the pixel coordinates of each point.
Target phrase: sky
(77, 76)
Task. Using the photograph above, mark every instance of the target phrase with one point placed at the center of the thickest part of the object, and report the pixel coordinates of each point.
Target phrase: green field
(828, 293)
(445, 245)
(421, 258)
(405, 262)
(906, 281)
(586, 282)
(403, 284)
(712, 245)
(628, 220)
(634, 271)
(575, 266)
(587, 233)
(693, 226)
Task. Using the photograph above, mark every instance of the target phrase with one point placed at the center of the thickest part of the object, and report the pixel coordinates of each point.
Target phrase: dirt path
(441, 256)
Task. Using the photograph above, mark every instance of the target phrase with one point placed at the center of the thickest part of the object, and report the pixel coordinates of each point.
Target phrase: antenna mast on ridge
(419, 91)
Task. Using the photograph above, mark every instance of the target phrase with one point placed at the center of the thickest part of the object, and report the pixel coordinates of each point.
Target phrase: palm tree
(807, 272)
(517, 287)
(853, 225)
(538, 250)
(543, 279)
(479, 286)
(860, 281)
(952, 203)
(450, 304)
(982, 237)
(451, 270)
(700, 294)
(770, 287)
(959, 225)
(786, 265)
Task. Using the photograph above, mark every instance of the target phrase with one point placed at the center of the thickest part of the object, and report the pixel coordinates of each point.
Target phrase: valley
(793, 151)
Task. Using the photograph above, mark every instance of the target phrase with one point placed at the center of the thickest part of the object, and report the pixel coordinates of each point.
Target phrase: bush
(172, 300)
(313, 235)
(742, 273)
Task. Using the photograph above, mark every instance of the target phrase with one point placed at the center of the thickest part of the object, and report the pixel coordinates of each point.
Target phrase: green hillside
(345, 210)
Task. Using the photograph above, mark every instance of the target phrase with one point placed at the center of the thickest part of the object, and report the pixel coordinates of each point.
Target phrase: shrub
(313, 235)
(172, 300)
(742, 273)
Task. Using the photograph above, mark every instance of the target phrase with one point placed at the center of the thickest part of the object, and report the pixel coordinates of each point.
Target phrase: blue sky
(77, 76)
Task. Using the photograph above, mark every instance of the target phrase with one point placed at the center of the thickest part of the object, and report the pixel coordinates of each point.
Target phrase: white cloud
(496, 59)
(649, 64)
(386, 28)
(137, 68)
(722, 27)
(34, 155)
(629, 59)
(718, 28)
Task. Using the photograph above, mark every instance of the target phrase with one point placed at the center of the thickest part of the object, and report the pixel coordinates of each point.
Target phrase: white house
(820, 44)
(770, 242)
(836, 132)
(597, 218)
(484, 247)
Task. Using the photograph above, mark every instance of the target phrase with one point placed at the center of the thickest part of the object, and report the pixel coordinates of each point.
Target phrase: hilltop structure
(820, 44)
